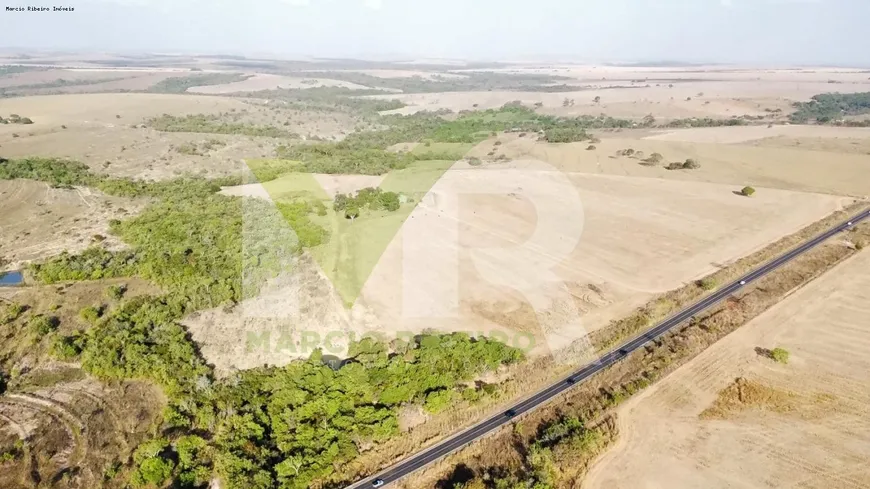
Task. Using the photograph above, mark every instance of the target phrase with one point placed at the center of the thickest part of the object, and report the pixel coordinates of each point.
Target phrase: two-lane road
(415, 462)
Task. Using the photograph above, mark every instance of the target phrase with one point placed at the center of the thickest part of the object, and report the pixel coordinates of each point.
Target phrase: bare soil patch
(75, 430)
(39, 221)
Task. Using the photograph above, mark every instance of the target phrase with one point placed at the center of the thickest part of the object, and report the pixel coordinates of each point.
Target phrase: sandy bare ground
(738, 165)
(39, 221)
(271, 82)
(813, 428)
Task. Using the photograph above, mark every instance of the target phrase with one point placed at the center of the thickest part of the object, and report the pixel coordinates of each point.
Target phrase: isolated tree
(566, 102)
(597, 99)
(591, 147)
(655, 158)
(780, 355)
(747, 191)
(351, 211)
(691, 164)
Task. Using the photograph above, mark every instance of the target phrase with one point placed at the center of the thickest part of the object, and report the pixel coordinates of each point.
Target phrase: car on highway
(377, 483)
(571, 380)
(743, 282)
(510, 413)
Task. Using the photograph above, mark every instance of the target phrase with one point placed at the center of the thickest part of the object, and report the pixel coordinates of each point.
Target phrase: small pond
(8, 279)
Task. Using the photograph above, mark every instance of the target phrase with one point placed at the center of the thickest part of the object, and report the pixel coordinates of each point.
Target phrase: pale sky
(830, 32)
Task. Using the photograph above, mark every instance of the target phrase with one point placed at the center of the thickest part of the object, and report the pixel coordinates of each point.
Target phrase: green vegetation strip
(266, 428)
(833, 107)
(180, 84)
(211, 124)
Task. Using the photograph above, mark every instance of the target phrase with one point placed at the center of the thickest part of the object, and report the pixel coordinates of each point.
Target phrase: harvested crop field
(800, 424)
(39, 221)
(629, 239)
(738, 165)
(667, 93)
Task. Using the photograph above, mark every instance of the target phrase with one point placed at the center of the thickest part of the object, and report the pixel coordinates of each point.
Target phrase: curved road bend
(430, 455)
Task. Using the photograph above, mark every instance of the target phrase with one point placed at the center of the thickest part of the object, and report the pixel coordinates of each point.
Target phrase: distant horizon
(421, 59)
(741, 32)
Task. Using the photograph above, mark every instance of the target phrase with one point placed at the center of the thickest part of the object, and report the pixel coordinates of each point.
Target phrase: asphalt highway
(421, 459)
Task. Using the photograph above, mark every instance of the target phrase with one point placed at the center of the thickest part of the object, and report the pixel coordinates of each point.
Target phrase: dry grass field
(665, 93)
(70, 81)
(271, 82)
(105, 131)
(635, 237)
(39, 222)
(794, 168)
(802, 424)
